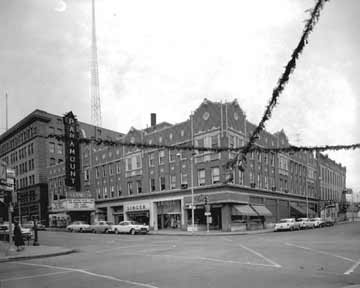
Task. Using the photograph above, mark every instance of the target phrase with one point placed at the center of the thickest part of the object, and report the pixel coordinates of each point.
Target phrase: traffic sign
(207, 208)
(207, 213)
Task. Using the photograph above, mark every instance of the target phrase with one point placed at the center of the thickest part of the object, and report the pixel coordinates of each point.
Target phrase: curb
(19, 258)
(211, 233)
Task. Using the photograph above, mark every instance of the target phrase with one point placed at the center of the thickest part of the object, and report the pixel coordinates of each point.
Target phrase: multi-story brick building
(26, 148)
(331, 185)
(154, 185)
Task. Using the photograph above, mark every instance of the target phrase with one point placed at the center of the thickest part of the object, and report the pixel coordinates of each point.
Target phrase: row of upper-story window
(137, 186)
(58, 146)
(25, 167)
(27, 196)
(329, 194)
(18, 139)
(331, 177)
(25, 181)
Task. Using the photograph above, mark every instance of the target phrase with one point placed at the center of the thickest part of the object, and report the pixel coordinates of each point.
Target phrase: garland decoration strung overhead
(290, 67)
(142, 146)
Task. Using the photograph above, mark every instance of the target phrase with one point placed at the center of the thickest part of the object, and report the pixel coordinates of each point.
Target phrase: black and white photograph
(179, 144)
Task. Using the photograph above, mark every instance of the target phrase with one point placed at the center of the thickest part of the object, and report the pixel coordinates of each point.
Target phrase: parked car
(131, 227)
(30, 224)
(317, 222)
(287, 224)
(101, 227)
(305, 223)
(328, 223)
(78, 226)
(26, 232)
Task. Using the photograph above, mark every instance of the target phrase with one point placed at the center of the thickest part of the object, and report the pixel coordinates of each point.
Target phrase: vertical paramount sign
(72, 151)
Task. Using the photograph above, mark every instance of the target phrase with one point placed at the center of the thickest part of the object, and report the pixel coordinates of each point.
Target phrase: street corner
(32, 252)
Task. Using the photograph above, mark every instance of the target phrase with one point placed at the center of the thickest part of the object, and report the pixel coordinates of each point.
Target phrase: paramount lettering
(72, 153)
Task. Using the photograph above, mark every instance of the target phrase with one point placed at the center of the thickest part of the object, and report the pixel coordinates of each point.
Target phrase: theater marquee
(72, 151)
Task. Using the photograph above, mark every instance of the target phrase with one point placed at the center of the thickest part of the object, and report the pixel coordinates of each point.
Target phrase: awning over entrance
(244, 210)
(262, 210)
(298, 209)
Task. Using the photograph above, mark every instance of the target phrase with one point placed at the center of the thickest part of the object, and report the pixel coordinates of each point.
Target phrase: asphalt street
(325, 257)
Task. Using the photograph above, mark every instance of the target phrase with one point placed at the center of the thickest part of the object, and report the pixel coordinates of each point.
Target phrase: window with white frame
(184, 179)
(152, 185)
(172, 181)
(59, 148)
(130, 188)
(139, 186)
(201, 177)
(215, 175)
(161, 157)
(152, 159)
(241, 177)
(162, 183)
(104, 171)
(86, 174)
(52, 147)
(112, 191)
(172, 155)
(105, 192)
(111, 169)
(118, 168)
(97, 173)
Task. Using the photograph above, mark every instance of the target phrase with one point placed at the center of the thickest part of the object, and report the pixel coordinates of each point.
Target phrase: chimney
(153, 119)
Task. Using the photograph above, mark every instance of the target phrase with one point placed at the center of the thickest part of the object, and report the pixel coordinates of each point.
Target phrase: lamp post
(192, 194)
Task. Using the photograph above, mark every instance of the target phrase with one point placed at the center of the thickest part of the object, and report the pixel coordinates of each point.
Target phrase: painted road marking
(89, 273)
(125, 247)
(321, 252)
(352, 268)
(198, 258)
(257, 254)
(34, 276)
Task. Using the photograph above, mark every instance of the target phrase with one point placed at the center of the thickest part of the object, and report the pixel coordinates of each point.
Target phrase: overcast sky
(167, 56)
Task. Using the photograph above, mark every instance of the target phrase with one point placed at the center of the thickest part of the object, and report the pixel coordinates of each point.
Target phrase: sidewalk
(210, 233)
(30, 252)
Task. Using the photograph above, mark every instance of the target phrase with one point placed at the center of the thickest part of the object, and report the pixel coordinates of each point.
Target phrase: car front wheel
(132, 231)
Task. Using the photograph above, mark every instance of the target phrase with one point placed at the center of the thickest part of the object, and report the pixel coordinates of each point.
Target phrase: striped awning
(262, 210)
(244, 210)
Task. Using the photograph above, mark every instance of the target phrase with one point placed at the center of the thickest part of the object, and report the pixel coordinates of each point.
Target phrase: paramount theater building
(26, 148)
(155, 186)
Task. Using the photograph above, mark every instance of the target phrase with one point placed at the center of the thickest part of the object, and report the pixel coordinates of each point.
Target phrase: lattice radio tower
(95, 91)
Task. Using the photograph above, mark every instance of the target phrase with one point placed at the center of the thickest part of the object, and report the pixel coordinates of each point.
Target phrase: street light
(192, 190)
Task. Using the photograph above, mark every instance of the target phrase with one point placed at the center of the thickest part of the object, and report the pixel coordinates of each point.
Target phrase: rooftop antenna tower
(95, 91)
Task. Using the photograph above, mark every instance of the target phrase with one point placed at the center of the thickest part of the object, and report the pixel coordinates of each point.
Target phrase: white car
(287, 224)
(79, 226)
(317, 222)
(131, 227)
(305, 223)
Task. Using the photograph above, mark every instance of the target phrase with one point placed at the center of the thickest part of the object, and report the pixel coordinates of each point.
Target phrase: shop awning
(244, 210)
(262, 210)
(298, 208)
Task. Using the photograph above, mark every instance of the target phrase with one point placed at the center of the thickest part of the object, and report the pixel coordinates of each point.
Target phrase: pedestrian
(18, 238)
